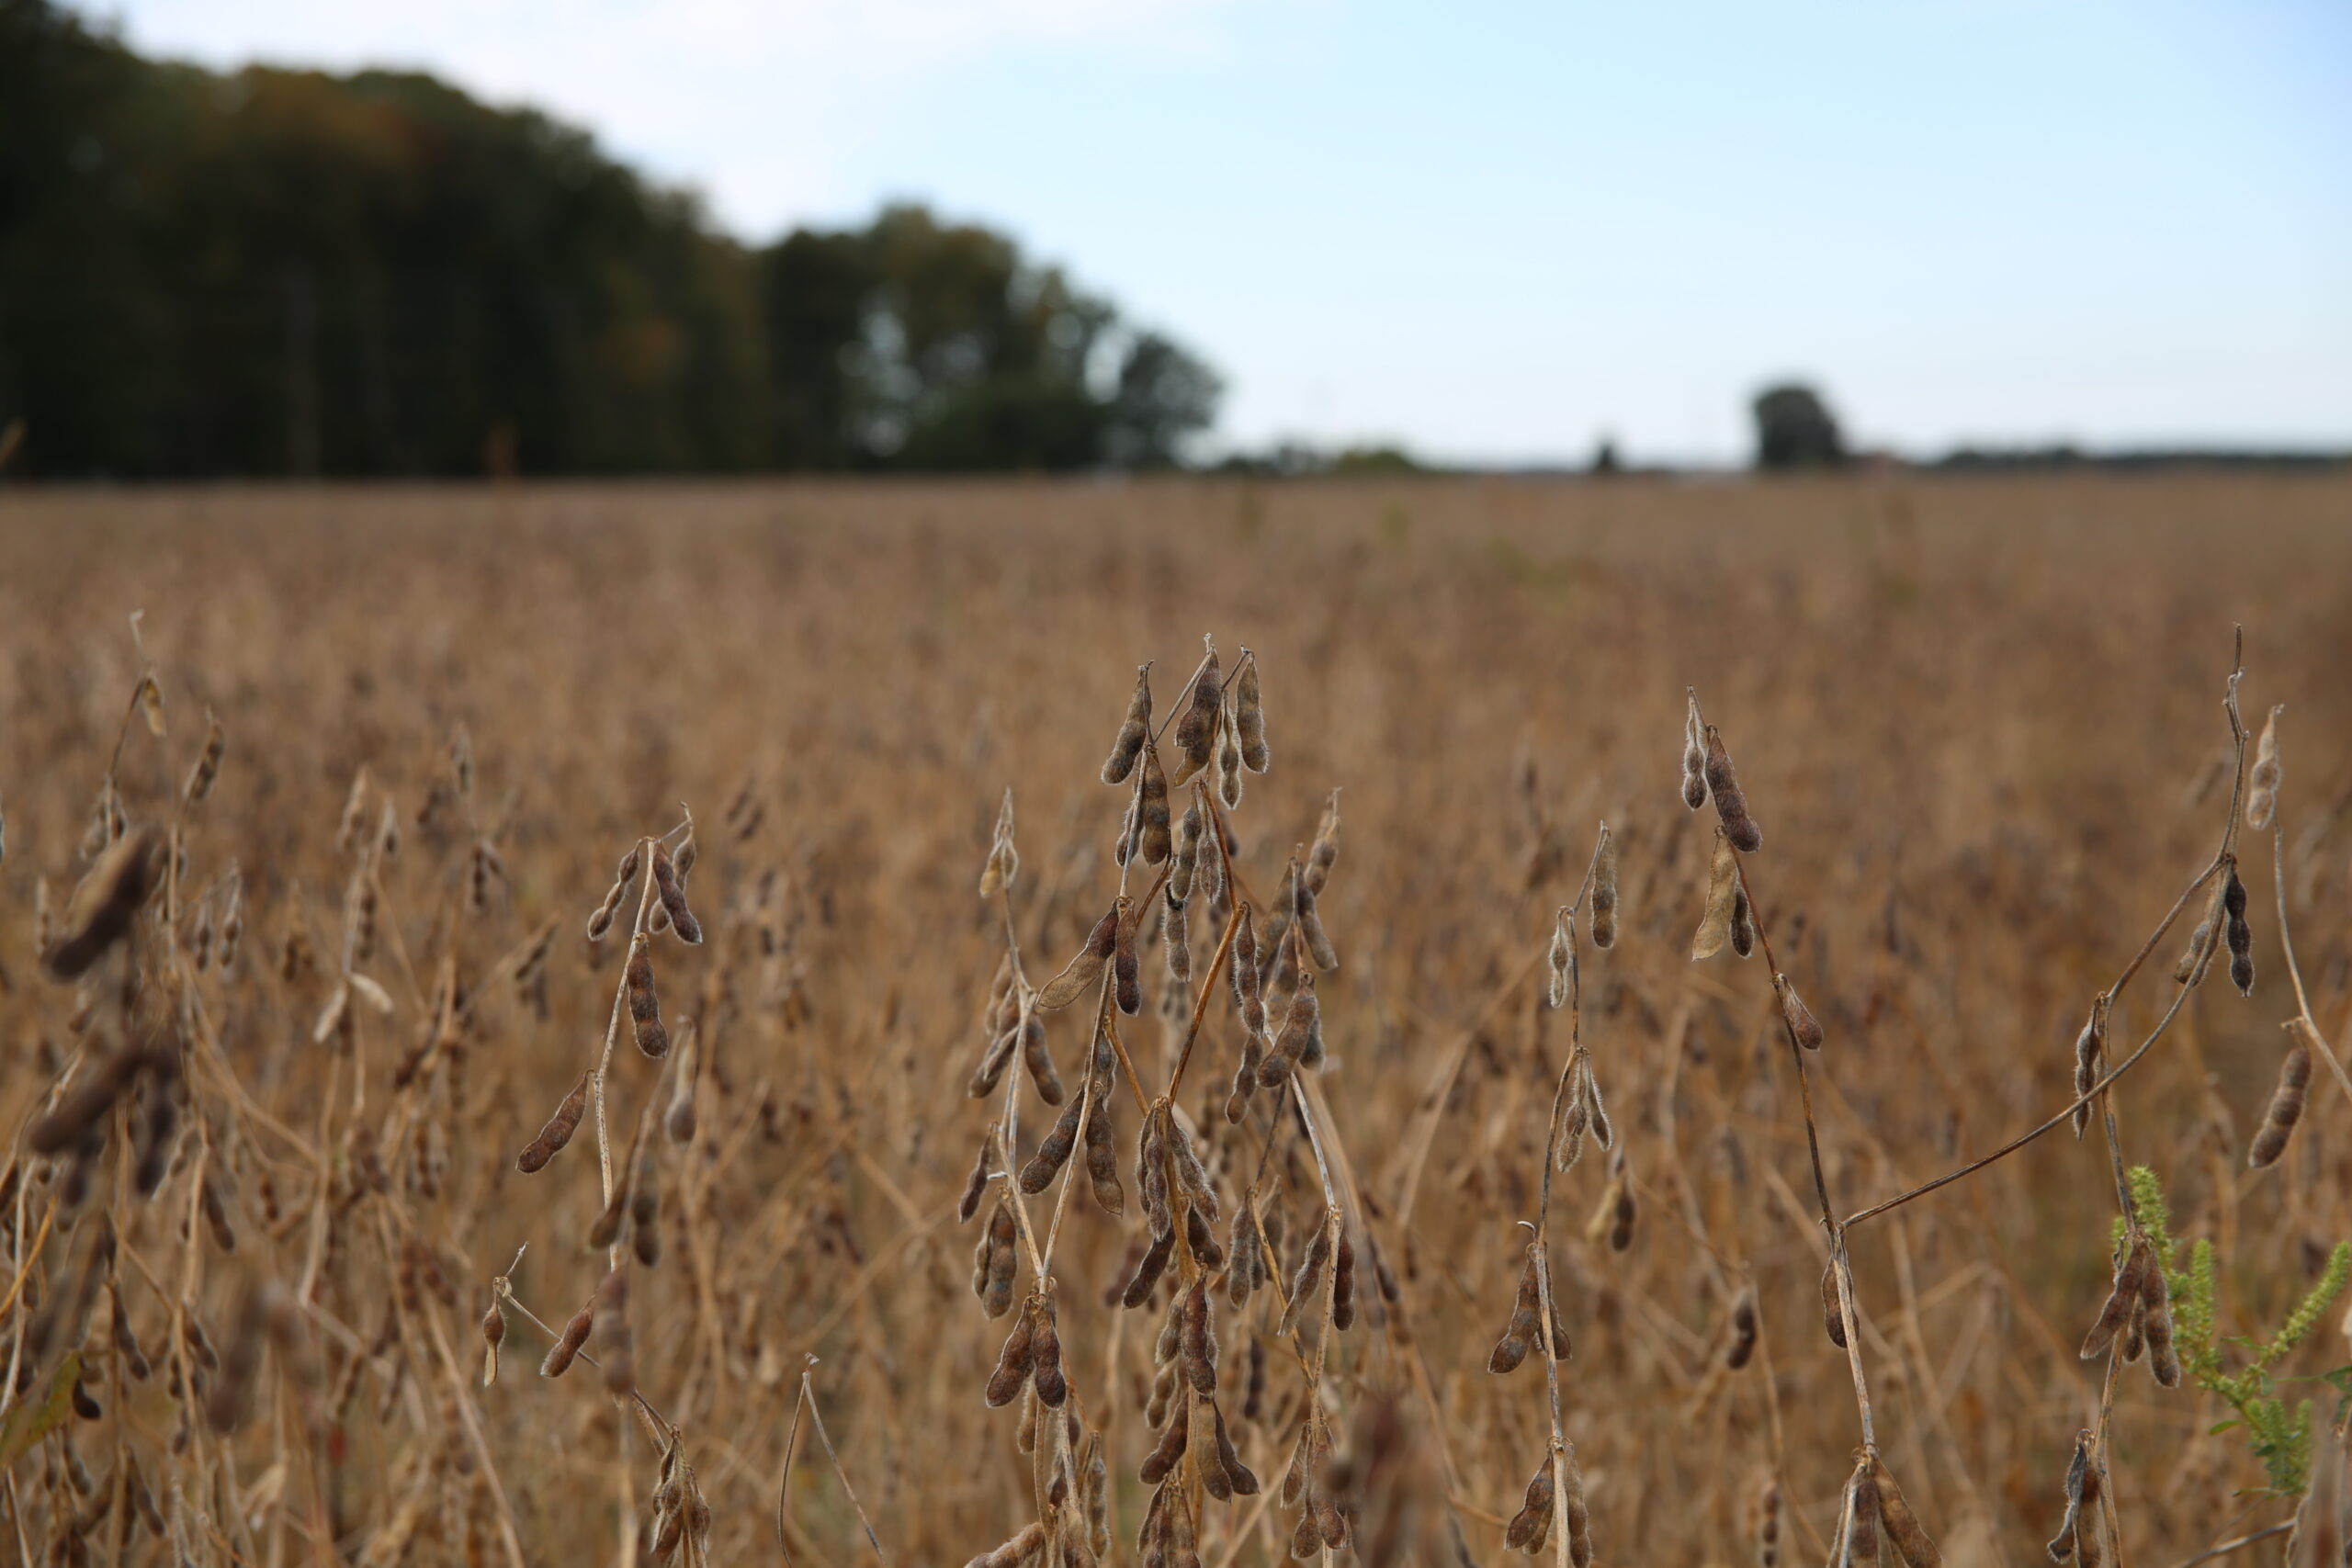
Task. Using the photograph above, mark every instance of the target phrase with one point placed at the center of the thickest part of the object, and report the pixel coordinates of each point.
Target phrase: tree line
(289, 272)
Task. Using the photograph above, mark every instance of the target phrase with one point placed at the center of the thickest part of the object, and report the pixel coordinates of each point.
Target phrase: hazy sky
(1496, 231)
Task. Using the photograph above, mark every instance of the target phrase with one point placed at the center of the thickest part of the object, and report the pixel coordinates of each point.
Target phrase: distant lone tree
(1794, 429)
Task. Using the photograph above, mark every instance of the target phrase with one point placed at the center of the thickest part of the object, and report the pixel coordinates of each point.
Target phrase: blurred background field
(1978, 718)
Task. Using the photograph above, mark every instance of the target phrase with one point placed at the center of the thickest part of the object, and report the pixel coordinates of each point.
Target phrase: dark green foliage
(285, 272)
(1794, 429)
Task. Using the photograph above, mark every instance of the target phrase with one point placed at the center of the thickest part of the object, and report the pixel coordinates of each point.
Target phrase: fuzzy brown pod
(2241, 935)
(1014, 1363)
(1310, 919)
(1731, 803)
(1003, 864)
(1532, 1526)
(645, 1205)
(1903, 1532)
(1196, 1338)
(1803, 1028)
(1723, 891)
(1164, 1455)
(1246, 1254)
(2090, 1046)
(995, 1259)
(103, 905)
(1325, 850)
(1741, 1348)
(1153, 1264)
(1191, 1175)
(1248, 984)
(558, 1131)
(1227, 771)
(1767, 1523)
(1196, 727)
(1039, 1060)
(1101, 1138)
(1695, 758)
(1191, 830)
(1135, 730)
(1026, 1546)
(1126, 970)
(1303, 1023)
(644, 1007)
(567, 1345)
(668, 884)
(612, 1336)
(1085, 971)
(2078, 1540)
(1604, 891)
(1858, 1541)
(1833, 1317)
(2262, 783)
(1743, 923)
(1561, 958)
(1052, 1386)
(206, 770)
(1250, 716)
(2117, 1309)
(2191, 967)
(678, 1119)
(1303, 1282)
(2155, 1317)
(2285, 1108)
(494, 1334)
(1156, 841)
(1053, 1150)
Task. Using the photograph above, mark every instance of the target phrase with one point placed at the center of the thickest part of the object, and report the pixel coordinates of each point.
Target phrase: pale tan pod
(1722, 886)
(2262, 781)
(1604, 891)
(1562, 955)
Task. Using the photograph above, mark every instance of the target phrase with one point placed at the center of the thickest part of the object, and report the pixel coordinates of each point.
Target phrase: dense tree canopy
(289, 272)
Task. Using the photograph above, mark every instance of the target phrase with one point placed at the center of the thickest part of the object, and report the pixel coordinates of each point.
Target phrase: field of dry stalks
(264, 1185)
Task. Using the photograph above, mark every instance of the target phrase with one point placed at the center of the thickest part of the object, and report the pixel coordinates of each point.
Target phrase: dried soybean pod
(1196, 729)
(1250, 715)
(1903, 1532)
(1190, 1173)
(2286, 1110)
(1133, 731)
(644, 1007)
(600, 922)
(1532, 1525)
(1245, 1268)
(1244, 1479)
(2262, 791)
(1803, 1027)
(1196, 1339)
(567, 1344)
(2117, 1308)
(1325, 850)
(2190, 968)
(1229, 765)
(975, 1186)
(1289, 1048)
(1858, 1547)
(1053, 1150)
(1833, 1318)
(1039, 1060)
(1157, 841)
(1248, 992)
(1743, 923)
(1126, 973)
(1722, 884)
(1731, 805)
(1561, 956)
(1343, 1286)
(2241, 934)
(2155, 1299)
(1310, 926)
(1694, 760)
(558, 1131)
(102, 907)
(668, 883)
(1309, 1274)
(1102, 1150)
(1742, 1349)
(2088, 1047)
(1082, 972)
(645, 1205)
(1053, 1387)
(1190, 832)
(1014, 1364)
(1147, 1271)
(1163, 1459)
(1604, 891)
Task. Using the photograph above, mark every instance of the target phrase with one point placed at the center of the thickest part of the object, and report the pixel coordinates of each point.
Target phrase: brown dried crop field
(258, 1201)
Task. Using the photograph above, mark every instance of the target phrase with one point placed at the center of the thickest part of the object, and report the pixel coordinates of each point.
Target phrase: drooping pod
(1325, 850)
(2117, 1309)
(1743, 923)
(1155, 841)
(1196, 728)
(2262, 783)
(669, 884)
(1903, 1532)
(1532, 1526)
(558, 1131)
(1134, 731)
(1562, 955)
(1250, 716)
(1190, 832)
(2241, 935)
(1082, 972)
(644, 1007)
(1731, 805)
(1803, 1028)
(2286, 1110)
(1723, 892)
(2090, 1047)
(1604, 891)
(1694, 760)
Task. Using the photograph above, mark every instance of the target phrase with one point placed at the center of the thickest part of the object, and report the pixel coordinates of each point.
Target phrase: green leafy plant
(2279, 1435)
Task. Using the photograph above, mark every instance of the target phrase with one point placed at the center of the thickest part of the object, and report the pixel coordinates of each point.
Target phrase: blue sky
(1495, 231)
